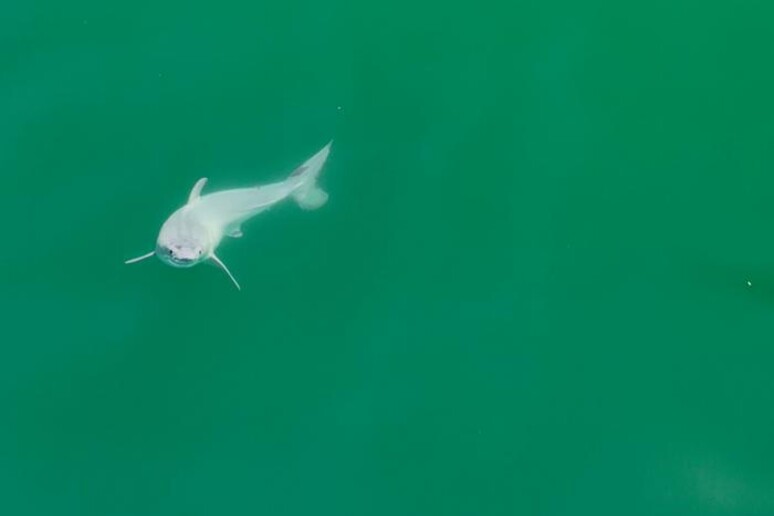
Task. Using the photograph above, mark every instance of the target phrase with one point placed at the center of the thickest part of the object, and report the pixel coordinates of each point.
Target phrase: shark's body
(192, 233)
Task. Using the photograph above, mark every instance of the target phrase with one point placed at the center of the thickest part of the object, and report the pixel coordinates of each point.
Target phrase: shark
(193, 232)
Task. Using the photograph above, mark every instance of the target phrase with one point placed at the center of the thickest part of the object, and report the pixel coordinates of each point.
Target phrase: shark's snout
(180, 255)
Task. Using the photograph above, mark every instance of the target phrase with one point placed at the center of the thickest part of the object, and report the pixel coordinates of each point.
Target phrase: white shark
(192, 233)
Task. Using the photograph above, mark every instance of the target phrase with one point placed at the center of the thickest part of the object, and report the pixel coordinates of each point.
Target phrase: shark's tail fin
(308, 194)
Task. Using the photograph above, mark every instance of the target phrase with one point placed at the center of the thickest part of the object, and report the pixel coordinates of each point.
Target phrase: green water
(528, 294)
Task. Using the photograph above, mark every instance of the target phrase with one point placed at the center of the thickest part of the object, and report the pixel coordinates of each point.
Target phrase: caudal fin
(308, 194)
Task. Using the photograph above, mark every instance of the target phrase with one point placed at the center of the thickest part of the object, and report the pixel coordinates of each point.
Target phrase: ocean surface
(543, 283)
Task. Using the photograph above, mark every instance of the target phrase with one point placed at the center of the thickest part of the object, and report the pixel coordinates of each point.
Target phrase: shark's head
(181, 253)
(184, 240)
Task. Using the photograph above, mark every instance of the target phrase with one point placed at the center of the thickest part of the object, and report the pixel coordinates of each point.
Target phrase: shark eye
(169, 252)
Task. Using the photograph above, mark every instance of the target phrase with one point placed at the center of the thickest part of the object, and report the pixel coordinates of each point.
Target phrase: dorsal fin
(197, 190)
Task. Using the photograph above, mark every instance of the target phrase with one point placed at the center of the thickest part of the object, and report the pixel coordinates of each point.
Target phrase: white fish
(192, 233)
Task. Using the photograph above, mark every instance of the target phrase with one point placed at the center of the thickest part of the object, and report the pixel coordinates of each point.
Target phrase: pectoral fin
(222, 265)
(140, 258)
